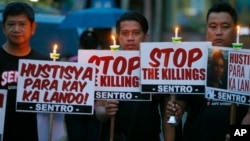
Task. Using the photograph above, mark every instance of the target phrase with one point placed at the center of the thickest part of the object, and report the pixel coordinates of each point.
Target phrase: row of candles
(54, 54)
(237, 36)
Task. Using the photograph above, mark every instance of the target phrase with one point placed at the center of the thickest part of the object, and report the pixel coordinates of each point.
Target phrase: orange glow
(55, 48)
(113, 38)
(176, 31)
(238, 29)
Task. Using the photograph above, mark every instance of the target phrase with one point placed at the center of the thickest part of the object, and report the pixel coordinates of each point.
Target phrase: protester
(84, 127)
(134, 121)
(88, 40)
(208, 120)
(18, 27)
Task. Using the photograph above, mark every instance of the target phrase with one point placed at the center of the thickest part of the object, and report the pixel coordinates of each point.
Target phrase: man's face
(18, 29)
(131, 35)
(221, 30)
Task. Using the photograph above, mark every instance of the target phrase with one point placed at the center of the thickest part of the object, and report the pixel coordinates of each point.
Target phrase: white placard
(177, 68)
(3, 97)
(55, 87)
(117, 74)
(235, 83)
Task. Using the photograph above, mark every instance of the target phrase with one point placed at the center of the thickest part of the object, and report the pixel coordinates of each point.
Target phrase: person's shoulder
(38, 55)
(73, 58)
(1, 50)
(4, 55)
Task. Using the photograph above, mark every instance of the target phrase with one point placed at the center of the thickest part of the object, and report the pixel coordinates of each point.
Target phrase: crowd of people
(134, 120)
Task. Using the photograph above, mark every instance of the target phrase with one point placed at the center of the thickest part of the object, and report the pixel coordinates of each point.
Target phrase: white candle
(114, 41)
(238, 34)
(54, 55)
(55, 48)
(176, 32)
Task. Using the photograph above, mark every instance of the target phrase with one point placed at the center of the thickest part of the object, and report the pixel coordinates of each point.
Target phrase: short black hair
(88, 40)
(18, 8)
(132, 16)
(224, 7)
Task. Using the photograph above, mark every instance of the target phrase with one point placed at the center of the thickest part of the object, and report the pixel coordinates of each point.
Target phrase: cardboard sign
(3, 97)
(117, 74)
(176, 68)
(55, 87)
(236, 76)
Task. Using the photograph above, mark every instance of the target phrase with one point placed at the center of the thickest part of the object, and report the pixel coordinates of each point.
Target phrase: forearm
(167, 129)
(169, 108)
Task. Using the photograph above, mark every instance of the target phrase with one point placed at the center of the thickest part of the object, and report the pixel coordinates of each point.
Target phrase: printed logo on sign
(209, 93)
(239, 132)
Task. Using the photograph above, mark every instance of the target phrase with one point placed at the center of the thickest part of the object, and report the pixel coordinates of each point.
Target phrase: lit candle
(238, 34)
(114, 46)
(55, 48)
(54, 55)
(176, 32)
(114, 41)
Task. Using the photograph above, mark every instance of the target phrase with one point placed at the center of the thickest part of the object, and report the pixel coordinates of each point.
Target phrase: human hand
(227, 137)
(173, 109)
(111, 107)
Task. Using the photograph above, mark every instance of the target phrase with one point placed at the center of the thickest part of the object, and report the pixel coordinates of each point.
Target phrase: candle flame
(113, 38)
(176, 29)
(238, 29)
(176, 32)
(55, 48)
